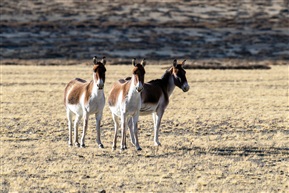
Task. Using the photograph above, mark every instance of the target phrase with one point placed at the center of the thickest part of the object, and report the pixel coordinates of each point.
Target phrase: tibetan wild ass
(156, 93)
(85, 98)
(125, 102)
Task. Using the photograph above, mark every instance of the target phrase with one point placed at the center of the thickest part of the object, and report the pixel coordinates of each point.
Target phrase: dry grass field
(229, 133)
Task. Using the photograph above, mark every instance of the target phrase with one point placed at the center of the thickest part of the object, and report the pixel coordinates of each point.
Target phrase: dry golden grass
(229, 133)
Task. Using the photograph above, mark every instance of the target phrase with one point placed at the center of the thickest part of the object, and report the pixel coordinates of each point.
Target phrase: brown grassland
(229, 133)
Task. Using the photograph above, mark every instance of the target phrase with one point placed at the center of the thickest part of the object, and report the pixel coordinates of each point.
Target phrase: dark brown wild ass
(156, 93)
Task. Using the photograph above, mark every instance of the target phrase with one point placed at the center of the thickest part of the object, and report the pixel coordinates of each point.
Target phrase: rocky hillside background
(197, 29)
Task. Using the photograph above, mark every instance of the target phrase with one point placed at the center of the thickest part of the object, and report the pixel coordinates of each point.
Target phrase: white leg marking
(85, 123)
(123, 133)
(158, 119)
(131, 132)
(69, 117)
(98, 119)
(135, 129)
(76, 121)
(116, 125)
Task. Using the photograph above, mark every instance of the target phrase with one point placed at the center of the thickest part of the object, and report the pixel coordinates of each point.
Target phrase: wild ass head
(138, 74)
(99, 72)
(179, 75)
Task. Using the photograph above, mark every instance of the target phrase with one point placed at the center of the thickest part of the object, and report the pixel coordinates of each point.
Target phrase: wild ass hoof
(69, 144)
(82, 145)
(100, 146)
(123, 148)
(139, 149)
(158, 144)
(76, 144)
(113, 148)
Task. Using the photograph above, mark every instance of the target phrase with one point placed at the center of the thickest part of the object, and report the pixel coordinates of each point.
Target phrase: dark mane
(156, 81)
(80, 80)
(122, 81)
(162, 82)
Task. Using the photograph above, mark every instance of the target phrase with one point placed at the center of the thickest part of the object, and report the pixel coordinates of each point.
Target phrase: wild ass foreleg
(76, 121)
(157, 117)
(85, 123)
(135, 132)
(116, 126)
(98, 118)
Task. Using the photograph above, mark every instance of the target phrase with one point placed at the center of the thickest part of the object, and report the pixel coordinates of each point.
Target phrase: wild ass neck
(168, 83)
(95, 89)
(132, 92)
(93, 84)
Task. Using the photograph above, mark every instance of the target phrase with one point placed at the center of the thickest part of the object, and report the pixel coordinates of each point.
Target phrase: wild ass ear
(143, 62)
(183, 63)
(94, 60)
(133, 62)
(175, 63)
(103, 61)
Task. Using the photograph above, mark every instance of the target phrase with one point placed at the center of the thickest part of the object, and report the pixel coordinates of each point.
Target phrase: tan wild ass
(125, 102)
(156, 93)
(84, 98)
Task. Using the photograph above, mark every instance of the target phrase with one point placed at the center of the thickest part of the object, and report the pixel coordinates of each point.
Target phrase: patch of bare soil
(228, 133)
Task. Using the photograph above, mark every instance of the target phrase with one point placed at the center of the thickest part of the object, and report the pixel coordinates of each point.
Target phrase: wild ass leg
(131, 132)
(157, 122)
(116, 125)
(98, 118)
(135, 132)
(69, 117)
(76, 121)
(85, 123)
(123, 133)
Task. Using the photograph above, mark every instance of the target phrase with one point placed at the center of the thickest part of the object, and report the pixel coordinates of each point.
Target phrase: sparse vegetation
(229, 133)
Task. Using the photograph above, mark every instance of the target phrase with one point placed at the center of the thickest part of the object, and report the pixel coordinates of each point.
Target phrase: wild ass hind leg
(116, 126)
(123, 132)
(69, 118)
(98, 119)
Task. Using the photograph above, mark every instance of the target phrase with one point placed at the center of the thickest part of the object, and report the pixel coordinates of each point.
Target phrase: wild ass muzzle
(84, 98)
(156, 93)
(125, 102)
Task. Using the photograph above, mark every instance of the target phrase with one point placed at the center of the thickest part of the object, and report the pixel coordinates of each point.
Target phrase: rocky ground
(196, 29)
